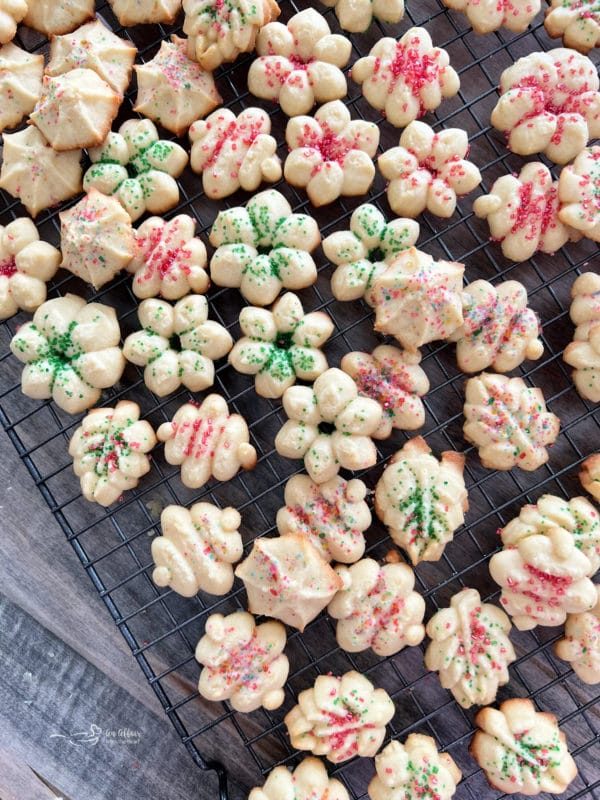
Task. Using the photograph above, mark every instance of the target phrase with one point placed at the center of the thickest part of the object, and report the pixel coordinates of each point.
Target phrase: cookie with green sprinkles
(522, 750)
(581, 644)
(577, 21)
(414, 770)
(583, 353)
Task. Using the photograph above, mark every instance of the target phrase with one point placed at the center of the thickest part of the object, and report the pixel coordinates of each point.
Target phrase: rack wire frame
(113, 544)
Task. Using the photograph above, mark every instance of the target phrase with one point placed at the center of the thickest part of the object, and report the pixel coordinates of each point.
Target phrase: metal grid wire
(114, 544)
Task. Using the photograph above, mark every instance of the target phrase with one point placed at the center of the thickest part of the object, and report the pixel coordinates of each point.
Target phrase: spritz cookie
(577, 21)
(470, 648)
(414, 770)
(428, 171)
(299, 63)
(243, 662)
(173, 90)
(281, 345)
(514, 15)
(590, 475)
(309, 781)
(508, 422)
(71, 352)
(286, 578)
(578, 190)
(356, 16)
(377, 608)
(109, 451)
(332, 515)
(206, 441)
(51, 18)
(522, 750)
(581, 645)
(499, 330)
(11, 13)
(365, 250)
(26, 263)
(583, 352)
(329, 426)
(340, 717)
(549, 104)
(418, 299)
(145, 12)
(197, 549)
(220, 30)
(20, 84)
(522, 212)
(394, 378)
(168, 260)
(421, 499)
(232, 153)
(177, 344)
(406, 78)
(263, 247)
(331, 155)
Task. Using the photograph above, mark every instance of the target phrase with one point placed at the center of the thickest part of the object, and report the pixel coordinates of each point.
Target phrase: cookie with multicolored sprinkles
(174, 90)
(51, 17)
(577, 21)
(20, 83)
(377, 608)
(421, 499)
(470, 648)
(242, 662)
(413, 771)
(340, 717)
(581, 643)
(583, 353)
(579, 192)
(522, 750)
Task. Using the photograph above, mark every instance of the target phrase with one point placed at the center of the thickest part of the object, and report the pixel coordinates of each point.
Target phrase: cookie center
(62, 344)
(326, 428)
(108, 452)
(284, 340)
(376, 254)
(8, 267)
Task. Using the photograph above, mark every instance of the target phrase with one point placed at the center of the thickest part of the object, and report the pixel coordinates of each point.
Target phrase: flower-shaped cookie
(51, 19)
(300, 63)
(377, 608)
(173, 90)
(365, 250)
(579, 190)
(75, 109)
(35, 173)
(422, 500)
(394, 378)
(168, 365)
(499, 331)
(522, 750)
(71, 352)
(329, 426)
(109, 451)
(549, 104)
(332, 516)
(331, 154)
(94, 46)
(133, 12)
(219, 30)
(583, 352)
(590, 475)
(207, 441)
(581, 645)
(514, 15)
(20, 83)
(522, 212)
(286, 578)
(138, 168)
(243, 662)
(543, 578)
(11, 13)
(413, 771)
(234, 152)
(96, 238)
(418, 299)
(281, 345)
(168, 259)
(577, 516)
(263, 247)
(340, 717)
(428, 170)
(356, 16)
(26, 263)
(508, 422)
(197, 549)
(470, 648)
(405, 79)
(577, 21)
(309, 781)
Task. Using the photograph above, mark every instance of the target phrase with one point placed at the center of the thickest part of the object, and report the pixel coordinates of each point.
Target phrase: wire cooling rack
(114, 544)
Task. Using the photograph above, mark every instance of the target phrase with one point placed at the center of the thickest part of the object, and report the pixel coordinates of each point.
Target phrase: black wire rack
(113, 544)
